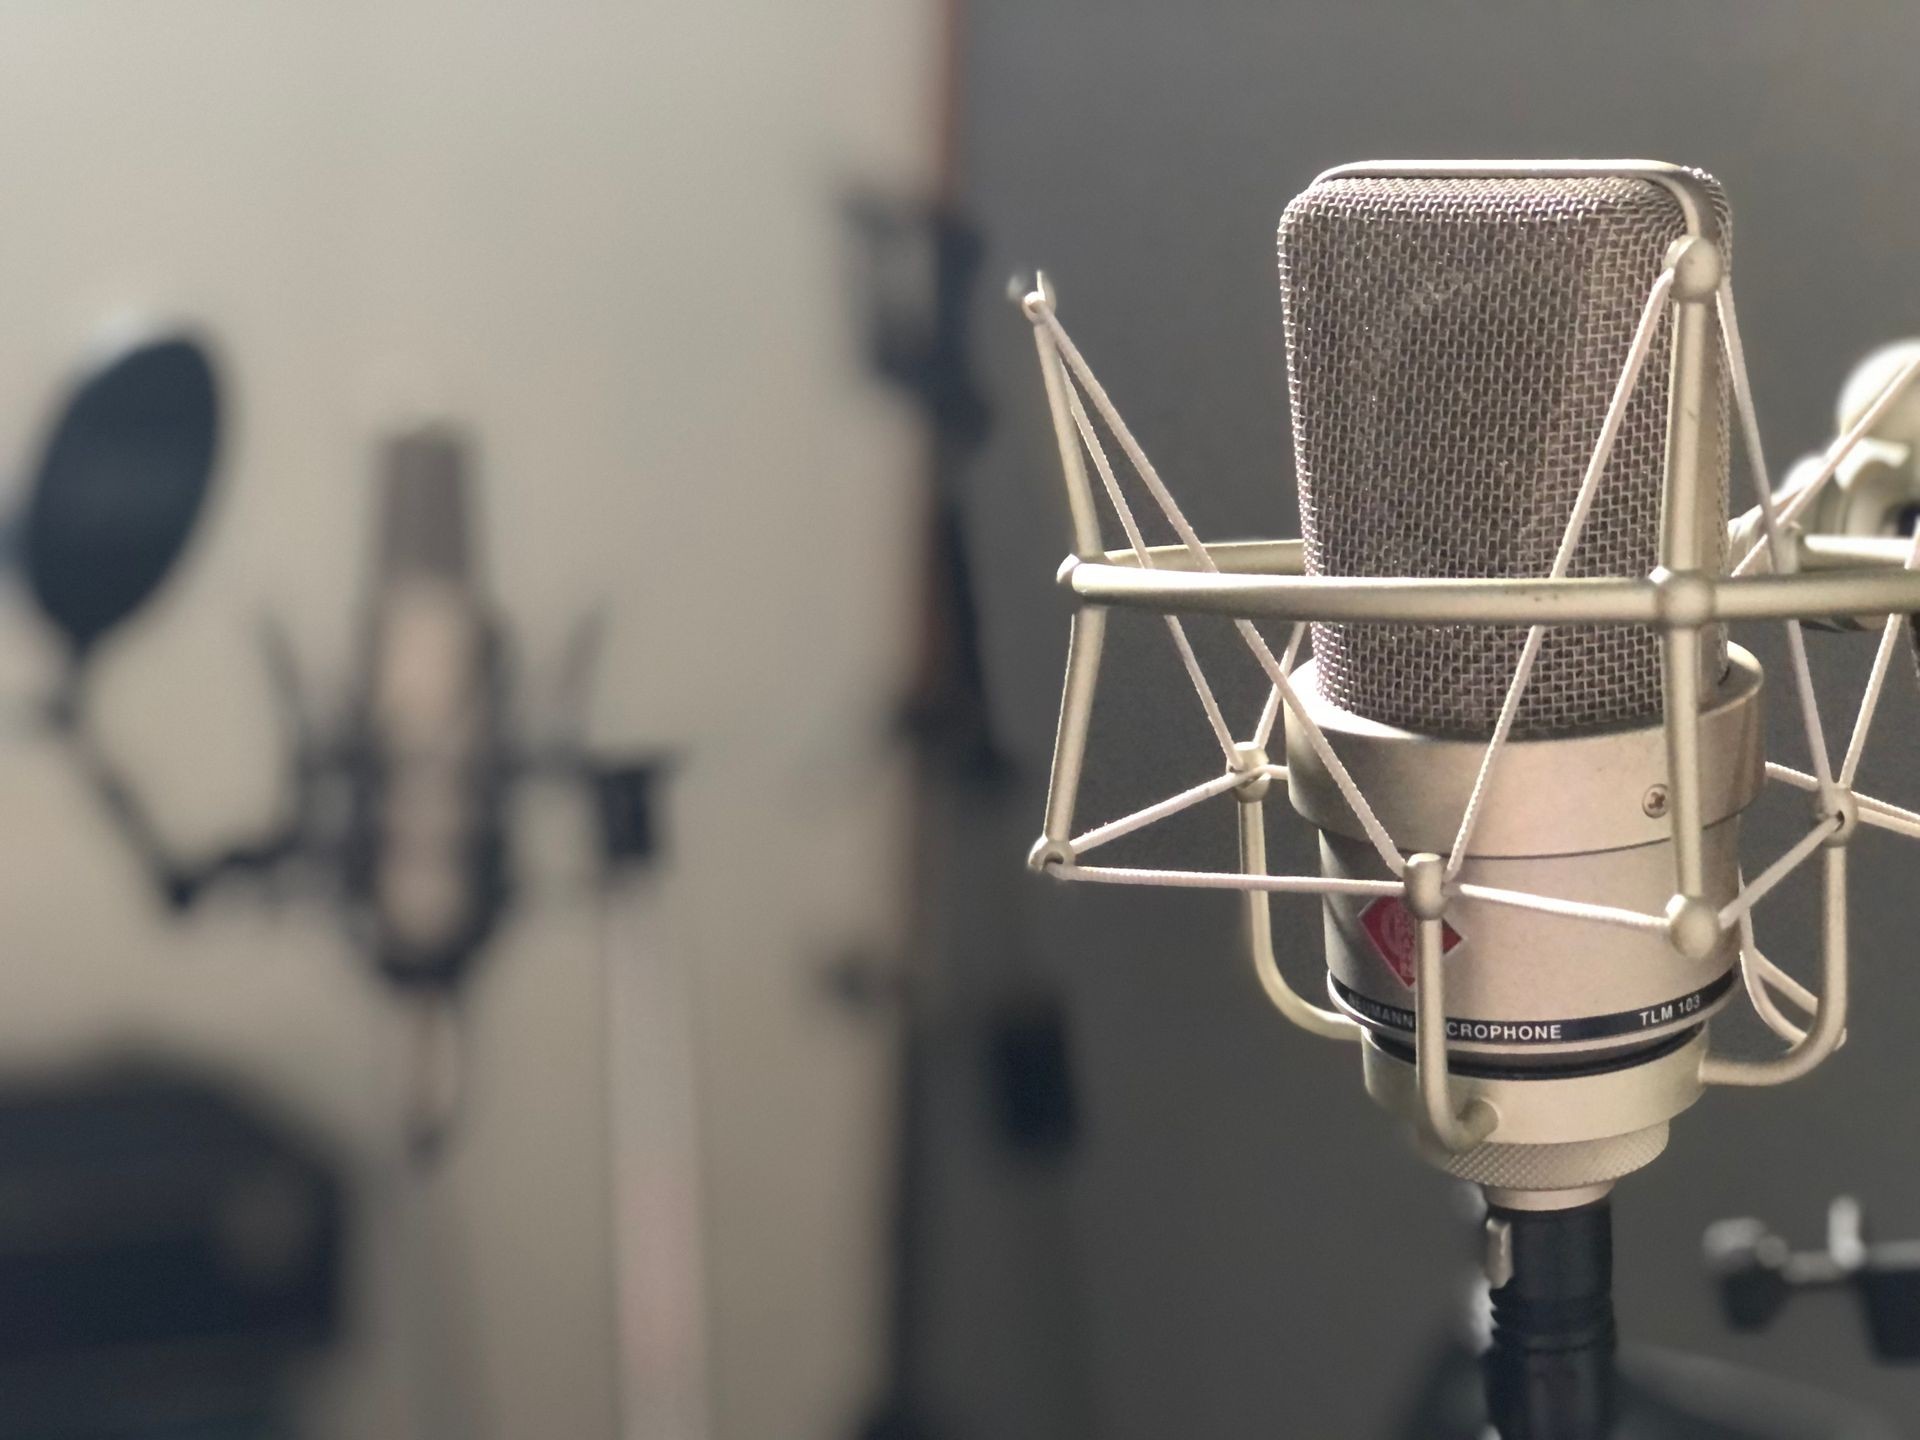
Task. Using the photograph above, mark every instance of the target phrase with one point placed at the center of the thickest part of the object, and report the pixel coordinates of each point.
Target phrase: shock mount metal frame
(1777, 575)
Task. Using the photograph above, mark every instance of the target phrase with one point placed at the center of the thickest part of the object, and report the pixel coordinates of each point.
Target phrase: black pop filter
(119, 486)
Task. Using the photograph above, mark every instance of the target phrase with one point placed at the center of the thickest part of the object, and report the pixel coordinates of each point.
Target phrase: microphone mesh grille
(1452, 345)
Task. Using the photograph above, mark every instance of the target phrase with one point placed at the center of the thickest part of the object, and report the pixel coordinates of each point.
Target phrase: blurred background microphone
(425, 760)
(399, 792)
(426, 853)
(470, 202)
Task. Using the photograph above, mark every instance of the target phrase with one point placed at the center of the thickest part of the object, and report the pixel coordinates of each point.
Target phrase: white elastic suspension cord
(1278, 671)
(1876, 681)
(1774, 523)
(1583, 501)
(1757, 971)
(1160, 810)
(1835, 454)
(1169, 507)
(1134, 538)
(1761, 976)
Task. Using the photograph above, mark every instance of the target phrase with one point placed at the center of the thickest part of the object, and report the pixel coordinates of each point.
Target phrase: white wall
(605, 234)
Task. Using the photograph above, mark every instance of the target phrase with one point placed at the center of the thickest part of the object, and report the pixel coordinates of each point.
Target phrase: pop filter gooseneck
(120, 484)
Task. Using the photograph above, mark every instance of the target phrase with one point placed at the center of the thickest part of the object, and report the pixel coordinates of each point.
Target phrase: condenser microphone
(1523, 735)
(1454, 342)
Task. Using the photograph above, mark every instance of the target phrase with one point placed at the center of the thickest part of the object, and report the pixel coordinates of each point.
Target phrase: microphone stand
(1550, 1369)
(1549, 1372)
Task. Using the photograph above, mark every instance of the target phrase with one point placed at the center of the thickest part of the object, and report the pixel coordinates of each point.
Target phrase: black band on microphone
(1572, 1067)
(1539, 1032)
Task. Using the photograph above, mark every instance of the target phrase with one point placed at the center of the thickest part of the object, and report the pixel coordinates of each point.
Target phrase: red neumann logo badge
(1391, 927)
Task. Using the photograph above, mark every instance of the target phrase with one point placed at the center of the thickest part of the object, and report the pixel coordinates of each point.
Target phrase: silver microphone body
(1510, 392)
(1455, 335)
